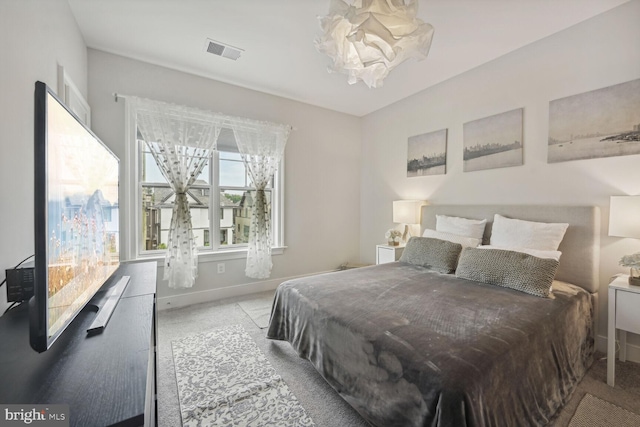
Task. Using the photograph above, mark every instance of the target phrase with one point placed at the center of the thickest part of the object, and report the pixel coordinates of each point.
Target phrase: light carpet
(595, 412)
(320, 401)
(258, 308)
(224, 379)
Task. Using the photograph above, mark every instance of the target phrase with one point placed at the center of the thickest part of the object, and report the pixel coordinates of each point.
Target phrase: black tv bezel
(38, 304)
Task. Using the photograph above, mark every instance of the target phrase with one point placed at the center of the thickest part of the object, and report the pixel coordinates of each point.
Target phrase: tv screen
(76, 217)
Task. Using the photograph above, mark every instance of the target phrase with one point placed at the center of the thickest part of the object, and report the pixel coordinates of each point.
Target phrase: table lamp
(407, 212)
(624, 221)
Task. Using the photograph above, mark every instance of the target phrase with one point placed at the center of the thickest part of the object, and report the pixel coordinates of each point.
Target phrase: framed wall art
(427, 154)
(493, 142)
(601, 123)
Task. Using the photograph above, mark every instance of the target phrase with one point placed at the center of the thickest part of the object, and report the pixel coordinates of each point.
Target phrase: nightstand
(624, 315)
(386, 253)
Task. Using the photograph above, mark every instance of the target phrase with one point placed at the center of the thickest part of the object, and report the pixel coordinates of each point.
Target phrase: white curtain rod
(117, 96)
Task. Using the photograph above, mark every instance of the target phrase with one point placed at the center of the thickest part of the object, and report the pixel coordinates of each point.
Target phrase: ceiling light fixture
(368, 38)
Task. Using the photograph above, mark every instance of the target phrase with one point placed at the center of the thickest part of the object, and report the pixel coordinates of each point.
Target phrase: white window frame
(131, 207)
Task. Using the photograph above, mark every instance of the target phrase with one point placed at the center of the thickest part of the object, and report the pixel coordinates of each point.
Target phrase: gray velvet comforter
(406, 346)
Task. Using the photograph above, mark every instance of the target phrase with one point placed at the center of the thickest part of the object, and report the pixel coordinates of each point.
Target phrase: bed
(409, 346)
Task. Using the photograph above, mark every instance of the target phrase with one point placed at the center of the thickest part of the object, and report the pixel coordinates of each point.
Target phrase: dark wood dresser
(106, 379)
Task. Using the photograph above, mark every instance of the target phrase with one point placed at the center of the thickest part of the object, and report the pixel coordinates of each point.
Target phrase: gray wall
(322, 168)
(600, 52)
(35, 37)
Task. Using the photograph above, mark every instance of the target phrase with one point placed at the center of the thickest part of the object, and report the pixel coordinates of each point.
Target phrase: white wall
(35, 36)
(600, 52)
(322, 167)
(341, 172)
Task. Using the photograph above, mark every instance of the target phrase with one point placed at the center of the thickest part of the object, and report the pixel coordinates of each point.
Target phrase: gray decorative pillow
(435, 254)
(515, 270)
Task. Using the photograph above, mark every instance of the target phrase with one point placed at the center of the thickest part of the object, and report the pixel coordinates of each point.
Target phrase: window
(220, 201)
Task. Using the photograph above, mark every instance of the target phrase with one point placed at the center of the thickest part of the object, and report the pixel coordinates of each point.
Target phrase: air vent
(223, 50)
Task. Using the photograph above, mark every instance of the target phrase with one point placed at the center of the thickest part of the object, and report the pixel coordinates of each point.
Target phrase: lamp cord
(11, 306)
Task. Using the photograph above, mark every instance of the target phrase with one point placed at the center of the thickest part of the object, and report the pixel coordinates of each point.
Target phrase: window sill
(221, 255)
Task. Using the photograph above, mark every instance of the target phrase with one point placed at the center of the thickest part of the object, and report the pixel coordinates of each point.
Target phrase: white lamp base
(407, 234)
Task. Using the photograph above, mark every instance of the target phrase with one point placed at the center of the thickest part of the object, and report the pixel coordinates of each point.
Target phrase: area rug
(595, 412)
(224, 379)
(258, 309)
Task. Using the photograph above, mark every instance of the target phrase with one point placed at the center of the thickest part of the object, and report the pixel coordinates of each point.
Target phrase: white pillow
(535, 252)
(466, 242)
(461, 226)
(517, 233)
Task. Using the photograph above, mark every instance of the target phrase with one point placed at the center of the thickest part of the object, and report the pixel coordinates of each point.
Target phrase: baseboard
(633, 351)
(191, 298)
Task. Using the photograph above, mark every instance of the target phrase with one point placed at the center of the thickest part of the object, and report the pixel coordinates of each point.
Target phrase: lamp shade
(407, 211)
(624, 216)
(368, 38)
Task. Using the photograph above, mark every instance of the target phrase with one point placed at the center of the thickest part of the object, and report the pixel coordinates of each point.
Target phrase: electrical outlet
(221, 267)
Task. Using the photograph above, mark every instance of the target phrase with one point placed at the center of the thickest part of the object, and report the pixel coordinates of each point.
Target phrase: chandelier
(368, 38)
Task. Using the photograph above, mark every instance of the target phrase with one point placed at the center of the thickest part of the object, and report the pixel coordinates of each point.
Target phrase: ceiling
(277, 36)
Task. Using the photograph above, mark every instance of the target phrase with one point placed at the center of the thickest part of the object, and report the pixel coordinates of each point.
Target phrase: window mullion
(275, 211)
(214, 208)
(142, 221)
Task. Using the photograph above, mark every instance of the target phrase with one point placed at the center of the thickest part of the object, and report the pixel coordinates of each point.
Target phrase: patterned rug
(224, 379)
(595, 412)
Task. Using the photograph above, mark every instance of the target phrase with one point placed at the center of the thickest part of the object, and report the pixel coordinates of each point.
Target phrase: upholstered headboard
(580, 247)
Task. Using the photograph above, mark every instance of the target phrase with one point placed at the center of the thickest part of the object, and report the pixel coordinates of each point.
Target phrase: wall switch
(221, 267)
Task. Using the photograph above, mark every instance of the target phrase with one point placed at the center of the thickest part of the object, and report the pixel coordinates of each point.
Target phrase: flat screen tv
(76, 217)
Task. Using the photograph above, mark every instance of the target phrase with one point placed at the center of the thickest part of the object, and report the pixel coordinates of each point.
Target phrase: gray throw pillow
(435, 254)
(510, 269)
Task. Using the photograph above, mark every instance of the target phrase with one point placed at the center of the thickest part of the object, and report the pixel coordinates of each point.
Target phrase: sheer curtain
(261, 145)
(181, 140)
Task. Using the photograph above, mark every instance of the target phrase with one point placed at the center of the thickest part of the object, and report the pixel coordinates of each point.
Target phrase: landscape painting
(493, 142)
(427, 154)
(600, 123)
